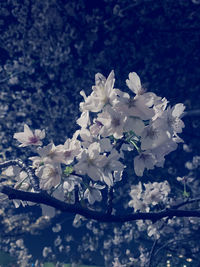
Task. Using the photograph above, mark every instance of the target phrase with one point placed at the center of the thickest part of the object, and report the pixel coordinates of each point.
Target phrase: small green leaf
(68, 170)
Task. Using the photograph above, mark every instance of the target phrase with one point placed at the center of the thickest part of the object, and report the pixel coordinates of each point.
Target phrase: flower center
(115, 122)
(67, 154)
(33, 139)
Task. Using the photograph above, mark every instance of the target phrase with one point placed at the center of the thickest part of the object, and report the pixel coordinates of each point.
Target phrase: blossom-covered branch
(112, 122)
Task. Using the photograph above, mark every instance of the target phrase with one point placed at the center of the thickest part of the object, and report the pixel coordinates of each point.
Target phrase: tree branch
(195, 112)
(188, 201)
(44, 198)
(34, 180)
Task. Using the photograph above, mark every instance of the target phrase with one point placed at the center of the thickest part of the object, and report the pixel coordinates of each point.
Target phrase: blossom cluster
(142, 199)
(111, 122)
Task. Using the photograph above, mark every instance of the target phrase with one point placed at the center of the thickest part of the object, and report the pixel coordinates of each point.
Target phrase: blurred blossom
(56, 228)
(46, 251)
(151, 195)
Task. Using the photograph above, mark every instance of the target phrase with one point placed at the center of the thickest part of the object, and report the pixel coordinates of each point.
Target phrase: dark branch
(44, 198)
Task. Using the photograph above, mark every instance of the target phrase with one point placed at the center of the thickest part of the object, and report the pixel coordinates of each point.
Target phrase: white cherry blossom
(112, 169)
(27, 137)
(145, 160)
(50, 175)
(84, 119)
(70, 182)
(134, 83)
(113, 123)
(152, 137)
(103, 94)
(90, 162)
(93, 193)
(140, 106)
(68, 151)
(170, 119)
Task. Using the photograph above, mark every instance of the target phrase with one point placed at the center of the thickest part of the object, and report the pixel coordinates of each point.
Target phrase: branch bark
(44, 198)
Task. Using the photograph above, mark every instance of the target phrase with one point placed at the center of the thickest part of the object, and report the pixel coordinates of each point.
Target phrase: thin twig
(152, 252)
(195, 112)
(109, 200)
(188, 201)
(34, 180)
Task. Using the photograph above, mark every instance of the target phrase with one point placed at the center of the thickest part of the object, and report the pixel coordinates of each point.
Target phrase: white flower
(152, 231)
(134, 124)
(105, 145)
(50, 175)
(70, 149)
(160, 105)
(22, 183)
(86, 137)
(103, 94)
(70, 182)
(113, 123)
(170, 119)
(84, 119)
(93, 193)
(140, 106)
(156, 192)
(152, 137)
(152, 194)
(48, 154)
(136, 194)
(144, 160)
(90, 162)
(134, 83)
(96, 127)
(162, 150)
(28, 138)
(112, 168)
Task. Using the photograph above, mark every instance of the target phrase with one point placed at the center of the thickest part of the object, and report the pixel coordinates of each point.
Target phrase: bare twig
(188, 201)
(152, 252)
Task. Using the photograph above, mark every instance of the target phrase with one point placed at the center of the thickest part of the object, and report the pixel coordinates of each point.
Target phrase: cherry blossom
(113, 123)
(70, 182)
(103, 94)
(90, 162)
(143, 125)
(139, 106)
(70, 149)
(144, 160)
(50, 175)
(134, 83)
(93, 193)
(28, 138)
